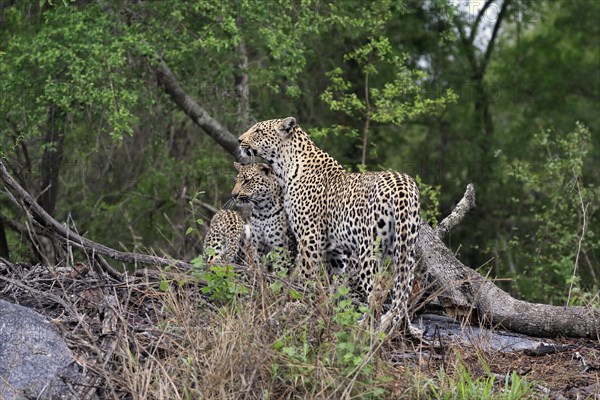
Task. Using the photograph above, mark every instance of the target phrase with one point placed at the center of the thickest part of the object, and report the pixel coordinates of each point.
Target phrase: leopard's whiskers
(229, 203)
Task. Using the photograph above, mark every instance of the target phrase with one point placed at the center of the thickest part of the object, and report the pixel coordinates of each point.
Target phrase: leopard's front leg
(305, 207)
(310, 256)
(310, 238)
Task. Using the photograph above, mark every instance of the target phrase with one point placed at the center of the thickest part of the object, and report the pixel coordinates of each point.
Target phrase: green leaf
(164, 285)
(276, 287)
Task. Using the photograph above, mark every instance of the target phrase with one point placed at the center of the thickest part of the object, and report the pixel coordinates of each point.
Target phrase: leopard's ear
(237, 165)
(286, 126)
(265, 169)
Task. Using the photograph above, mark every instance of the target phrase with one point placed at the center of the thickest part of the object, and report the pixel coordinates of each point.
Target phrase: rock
(35, 362)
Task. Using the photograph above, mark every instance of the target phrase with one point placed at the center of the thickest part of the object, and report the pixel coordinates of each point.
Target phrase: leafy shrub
(556, 237)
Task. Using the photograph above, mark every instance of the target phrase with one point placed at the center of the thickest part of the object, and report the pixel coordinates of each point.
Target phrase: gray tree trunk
(198, 115)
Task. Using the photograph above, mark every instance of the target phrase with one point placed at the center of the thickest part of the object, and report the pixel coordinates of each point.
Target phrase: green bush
(556, 235)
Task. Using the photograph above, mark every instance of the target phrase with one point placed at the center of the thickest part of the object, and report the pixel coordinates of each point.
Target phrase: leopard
(352, 220)
(228, 235)
(257, 187)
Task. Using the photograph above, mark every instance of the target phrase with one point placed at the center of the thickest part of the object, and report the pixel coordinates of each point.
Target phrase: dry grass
(175, 336)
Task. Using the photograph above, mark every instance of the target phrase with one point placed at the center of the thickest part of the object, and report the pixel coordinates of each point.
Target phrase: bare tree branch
(490, 47)
(39, 215)
(480, 15)
(467, 45)
(198, 114)
(466, 204)
(479, 66)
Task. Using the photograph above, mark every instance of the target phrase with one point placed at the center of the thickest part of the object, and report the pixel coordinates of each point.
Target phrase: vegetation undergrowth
(463, 384)
(251, 335)
(555, 219)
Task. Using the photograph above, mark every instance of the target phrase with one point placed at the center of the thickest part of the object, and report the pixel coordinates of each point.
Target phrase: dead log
(465, 292)
(466, 204)
(29, 206)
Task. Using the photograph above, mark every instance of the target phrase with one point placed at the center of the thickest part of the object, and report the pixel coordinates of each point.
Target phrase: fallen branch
(454, 294)
(464, 292)
(29, 206)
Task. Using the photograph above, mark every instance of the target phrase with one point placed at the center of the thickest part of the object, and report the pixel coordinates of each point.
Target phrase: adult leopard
(351, 220)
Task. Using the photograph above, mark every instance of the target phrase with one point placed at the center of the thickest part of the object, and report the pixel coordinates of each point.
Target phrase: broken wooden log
(465, 292)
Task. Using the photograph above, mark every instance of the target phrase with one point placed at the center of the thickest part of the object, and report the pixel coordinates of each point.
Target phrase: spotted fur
(257, 186)
(351, 220)
(227, 235)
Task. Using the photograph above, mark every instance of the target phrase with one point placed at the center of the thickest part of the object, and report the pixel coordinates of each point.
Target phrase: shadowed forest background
(504, 94)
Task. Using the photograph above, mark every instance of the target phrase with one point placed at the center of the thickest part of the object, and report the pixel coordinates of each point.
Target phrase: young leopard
(256, 186)
(351, 220)
(227, 235)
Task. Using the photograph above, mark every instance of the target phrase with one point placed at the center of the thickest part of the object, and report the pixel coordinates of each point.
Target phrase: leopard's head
(254, 183)
(266, 138)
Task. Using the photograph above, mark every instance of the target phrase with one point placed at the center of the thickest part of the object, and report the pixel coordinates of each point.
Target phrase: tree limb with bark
(466, 293)
(197, 113)
(27, 204)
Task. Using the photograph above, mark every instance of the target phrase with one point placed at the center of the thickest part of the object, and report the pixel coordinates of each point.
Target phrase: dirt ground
(570, 370)
(573, 373)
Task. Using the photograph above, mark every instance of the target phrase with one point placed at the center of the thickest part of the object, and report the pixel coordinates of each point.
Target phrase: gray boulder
(35, 362)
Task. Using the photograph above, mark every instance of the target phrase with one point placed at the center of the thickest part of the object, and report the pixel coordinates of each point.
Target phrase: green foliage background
(397, 73)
